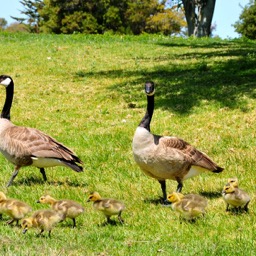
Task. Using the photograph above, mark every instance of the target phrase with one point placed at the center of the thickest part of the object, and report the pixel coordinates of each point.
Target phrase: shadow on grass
(160, 200)
(237, 211)
(110, 223)
(179, 88)
(155, 201)
(211, 194)
(30, 181)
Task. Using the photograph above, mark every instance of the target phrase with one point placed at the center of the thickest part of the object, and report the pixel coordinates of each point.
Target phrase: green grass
(79, 89)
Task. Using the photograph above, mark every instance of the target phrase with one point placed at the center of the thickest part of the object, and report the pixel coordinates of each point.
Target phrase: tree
(3, 23)
(138, 12)
(31, 11)
(17, 27)
(100, 16)
(198, 15)
(246, 26)
(167, 22)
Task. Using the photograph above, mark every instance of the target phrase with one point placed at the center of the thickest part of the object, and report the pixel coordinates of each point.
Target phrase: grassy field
(87, 92)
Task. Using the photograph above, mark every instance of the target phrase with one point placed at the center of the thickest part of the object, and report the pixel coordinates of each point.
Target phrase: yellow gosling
(233, 181)
(14, 208)
(235, 197)
(70, 209)
(107, 206)
(44, 220)
(189, 207)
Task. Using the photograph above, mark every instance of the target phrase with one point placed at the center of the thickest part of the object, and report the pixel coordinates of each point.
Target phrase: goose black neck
(145, 122)
(8, 102)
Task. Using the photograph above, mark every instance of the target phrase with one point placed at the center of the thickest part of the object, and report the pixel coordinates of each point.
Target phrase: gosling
(107, 206)
(45, 220)
(235, 197)
(70, 209)
(189, 207)
(14, 208)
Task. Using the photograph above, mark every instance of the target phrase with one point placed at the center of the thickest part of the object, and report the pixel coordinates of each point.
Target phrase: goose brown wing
(191, 154)
(20, 141)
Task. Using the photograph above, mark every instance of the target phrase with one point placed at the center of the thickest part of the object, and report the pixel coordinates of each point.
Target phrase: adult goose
(25, 146)
(165, 157)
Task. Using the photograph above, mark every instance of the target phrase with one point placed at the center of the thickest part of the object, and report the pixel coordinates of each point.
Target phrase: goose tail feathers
(73, 165)
(218, 169)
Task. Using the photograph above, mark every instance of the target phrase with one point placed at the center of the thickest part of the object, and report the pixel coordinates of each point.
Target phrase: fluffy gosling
(70, 209)
(189, 207)
(42, 219)
(235, 197)
(14, 208)
(107, 206)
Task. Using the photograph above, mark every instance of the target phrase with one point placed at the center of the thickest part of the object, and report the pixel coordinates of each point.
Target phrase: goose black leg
(179, 187)
(74, 222)
(163, 187)
(14, 174)
(43, 173)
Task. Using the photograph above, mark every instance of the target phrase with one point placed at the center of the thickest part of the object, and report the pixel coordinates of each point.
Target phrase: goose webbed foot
(166, 202)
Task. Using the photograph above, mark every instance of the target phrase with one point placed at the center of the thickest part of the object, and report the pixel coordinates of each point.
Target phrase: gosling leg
(41, 232)
(9, 222)
(246, 207)
(120, 218)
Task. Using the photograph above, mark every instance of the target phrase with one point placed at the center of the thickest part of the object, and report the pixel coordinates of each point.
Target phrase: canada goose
(107, 206)
(235, 197)
(42, 219)
(69, 208)
(24, 146)
(165, 157)
(14, 208)
(188, 207)
(233, 181)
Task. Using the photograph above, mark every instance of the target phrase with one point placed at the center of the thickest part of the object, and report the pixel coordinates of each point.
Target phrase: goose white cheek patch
(6, 82)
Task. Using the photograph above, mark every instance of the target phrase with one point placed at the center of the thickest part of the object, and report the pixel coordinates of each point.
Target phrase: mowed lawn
(88, 93)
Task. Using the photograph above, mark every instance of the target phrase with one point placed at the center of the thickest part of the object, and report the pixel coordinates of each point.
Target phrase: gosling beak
(88, 200)
(24, 230)
(38, 201)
